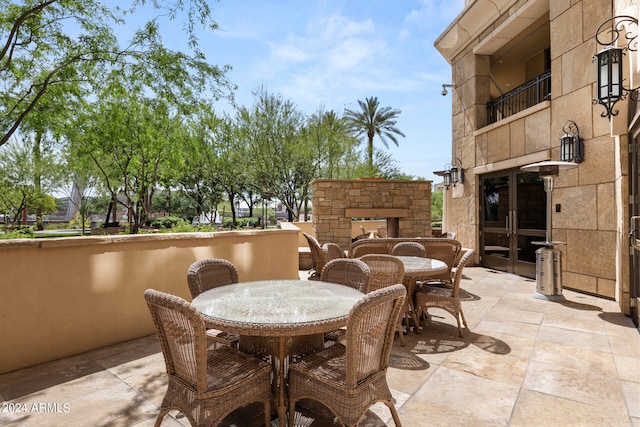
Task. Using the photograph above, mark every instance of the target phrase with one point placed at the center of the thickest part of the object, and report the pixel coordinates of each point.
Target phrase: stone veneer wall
(333, 198)
(593, 196)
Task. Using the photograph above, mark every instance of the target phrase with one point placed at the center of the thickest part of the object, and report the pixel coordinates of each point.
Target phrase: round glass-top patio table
(279, 309)
(416, 268)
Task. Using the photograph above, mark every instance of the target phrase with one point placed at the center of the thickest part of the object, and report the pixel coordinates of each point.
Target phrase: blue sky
(332, 53)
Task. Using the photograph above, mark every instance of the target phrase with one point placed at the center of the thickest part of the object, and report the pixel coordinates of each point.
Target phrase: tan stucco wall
(68, 295)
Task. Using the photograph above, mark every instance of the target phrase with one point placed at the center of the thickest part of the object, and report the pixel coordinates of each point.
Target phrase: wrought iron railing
(524, 96)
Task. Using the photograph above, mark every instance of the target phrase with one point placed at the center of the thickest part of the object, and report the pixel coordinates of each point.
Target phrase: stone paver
(524, 362)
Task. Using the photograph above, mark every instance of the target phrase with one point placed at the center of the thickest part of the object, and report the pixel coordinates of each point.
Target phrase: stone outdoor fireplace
(405, 204)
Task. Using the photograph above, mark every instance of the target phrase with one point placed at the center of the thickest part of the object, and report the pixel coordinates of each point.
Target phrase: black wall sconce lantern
(452, 173)
(457, 173)
(609, 64)
(571, 145)
(446, 178)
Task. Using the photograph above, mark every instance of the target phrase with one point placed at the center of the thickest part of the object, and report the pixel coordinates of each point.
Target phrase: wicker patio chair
(409, 249)
(349, 379)
(207, 274)
(445, 250)
(348, 272)
(318, 256)
(333, 251)
(443, 296)
(205, 385)
(387, 270)
(369, 246)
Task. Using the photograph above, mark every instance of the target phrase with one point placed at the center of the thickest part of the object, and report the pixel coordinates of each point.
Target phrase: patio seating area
(522, 362)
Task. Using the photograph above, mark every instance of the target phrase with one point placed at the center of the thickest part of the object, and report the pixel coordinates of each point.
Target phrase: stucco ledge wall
(64, 296)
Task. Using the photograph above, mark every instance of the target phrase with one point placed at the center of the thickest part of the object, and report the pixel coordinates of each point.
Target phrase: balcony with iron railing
(527, 95)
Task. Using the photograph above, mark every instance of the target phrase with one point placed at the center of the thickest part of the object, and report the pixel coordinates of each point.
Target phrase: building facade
(522, 73)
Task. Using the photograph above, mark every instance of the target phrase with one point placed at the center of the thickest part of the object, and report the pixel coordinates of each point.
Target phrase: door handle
(632, 225)
(508, 224)
(514, 223)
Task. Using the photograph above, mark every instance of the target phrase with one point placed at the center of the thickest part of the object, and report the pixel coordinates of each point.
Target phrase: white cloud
(332, 53)
(289, 53)
(337, 27)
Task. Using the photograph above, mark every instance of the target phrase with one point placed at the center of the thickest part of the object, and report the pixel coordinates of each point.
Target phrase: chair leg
(161, 415)
(414, 319)
(267, 413)
(394, 414)
(292, 412)
(464, 321)
(457, 315)
(401, 333)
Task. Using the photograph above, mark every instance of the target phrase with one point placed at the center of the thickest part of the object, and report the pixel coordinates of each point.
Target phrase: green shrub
(20, 233)
(165, 222)
(242, 222)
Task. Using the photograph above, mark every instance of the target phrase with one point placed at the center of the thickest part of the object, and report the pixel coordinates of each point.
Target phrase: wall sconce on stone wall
(571, 145)
(609, 64)
(452, 173)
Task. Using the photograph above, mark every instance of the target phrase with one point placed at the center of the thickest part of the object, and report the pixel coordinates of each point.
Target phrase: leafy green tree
(329, 136)
(372, 120)
(436, 205)
(176, 204)
(196, 176)
(232, 163)
(282, 161)
(18, 190)
(66, 44)
(132, 140)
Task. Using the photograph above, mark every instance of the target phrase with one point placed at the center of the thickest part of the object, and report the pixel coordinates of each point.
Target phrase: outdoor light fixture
(447, 178)
(457, 173)
(444, 89)
(609, 62)
(452, 173)
(571, 147)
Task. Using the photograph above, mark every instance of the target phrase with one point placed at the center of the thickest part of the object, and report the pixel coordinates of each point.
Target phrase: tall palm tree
(372, 120)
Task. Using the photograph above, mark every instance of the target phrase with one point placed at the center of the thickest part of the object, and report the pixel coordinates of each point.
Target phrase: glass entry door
(513, 214)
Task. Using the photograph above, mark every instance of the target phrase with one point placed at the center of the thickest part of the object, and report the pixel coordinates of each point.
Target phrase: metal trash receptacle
(548, 273)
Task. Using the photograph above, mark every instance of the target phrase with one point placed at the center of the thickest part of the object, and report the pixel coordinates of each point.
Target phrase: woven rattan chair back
(333, 251)
(210, 273)
(385, 270)
(348, 272)
(369, 246)
(445, 297)
(370, 331)
(445, 250)
(349, 379)
(409, 249)
(318, 256)
(205, 385)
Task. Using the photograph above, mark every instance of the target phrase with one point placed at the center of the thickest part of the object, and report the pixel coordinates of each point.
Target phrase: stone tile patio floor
(524, 362)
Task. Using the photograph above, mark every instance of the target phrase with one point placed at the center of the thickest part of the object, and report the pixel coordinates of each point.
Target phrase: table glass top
(278, 301)
(414, 263)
